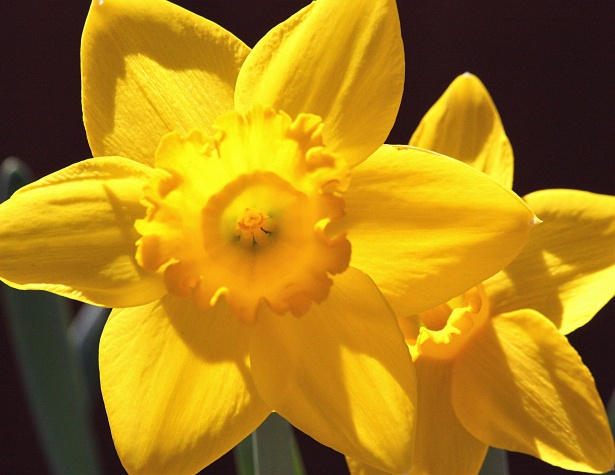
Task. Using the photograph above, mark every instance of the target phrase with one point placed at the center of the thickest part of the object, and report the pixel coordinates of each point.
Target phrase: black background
(548, 65)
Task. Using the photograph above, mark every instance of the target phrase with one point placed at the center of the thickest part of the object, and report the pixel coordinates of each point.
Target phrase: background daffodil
(567, 269)
(196, 138)
(493, 366)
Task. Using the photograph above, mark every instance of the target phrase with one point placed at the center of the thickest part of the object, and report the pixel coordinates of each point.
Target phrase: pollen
(245, 215)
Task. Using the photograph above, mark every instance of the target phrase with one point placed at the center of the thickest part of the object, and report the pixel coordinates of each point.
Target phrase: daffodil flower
(493, 365)
(218, 216)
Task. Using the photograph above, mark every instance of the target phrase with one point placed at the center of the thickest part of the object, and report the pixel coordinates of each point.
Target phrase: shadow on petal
(520, 386)
(176, 385)
(341, 373)
(151, 68)
(566, 270)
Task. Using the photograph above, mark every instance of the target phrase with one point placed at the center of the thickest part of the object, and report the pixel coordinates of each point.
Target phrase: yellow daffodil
(493, 365)
(211, 218)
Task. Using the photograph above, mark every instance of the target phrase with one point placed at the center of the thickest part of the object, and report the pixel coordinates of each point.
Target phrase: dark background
(548, 65)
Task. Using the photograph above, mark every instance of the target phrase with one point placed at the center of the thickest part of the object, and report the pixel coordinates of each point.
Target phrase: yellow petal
(359, 468)
(521, 386)
(149, 67)
(176, 385)
(567, 270)
(443, 446)
(341, 373)
(342, 60)
(465, 124)
(426, 227)
(72, 233)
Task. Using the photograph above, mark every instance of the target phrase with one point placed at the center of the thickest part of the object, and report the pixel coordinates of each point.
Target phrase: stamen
(254, 228)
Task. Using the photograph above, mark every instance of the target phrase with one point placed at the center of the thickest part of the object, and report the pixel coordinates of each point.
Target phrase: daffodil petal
(521, 386)
(426, 227)
(80, 241)
(465, 124)
(342, 60)
(176, 385)
(359, 468)
(567, 269)
(341, 373)
(443, 445)
(149, 67)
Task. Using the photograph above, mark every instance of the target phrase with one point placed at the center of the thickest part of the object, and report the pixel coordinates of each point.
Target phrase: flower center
(254, 228)
(245, 214)
(443, 331)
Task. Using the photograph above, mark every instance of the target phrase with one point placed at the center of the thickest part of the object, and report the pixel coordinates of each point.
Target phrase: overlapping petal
(443, 445)
(426, 227)
(521, 386)
(149, 67)
(77, 227)
(342, 60)
(567, 270)
(465, 124)
(341, 373)
(176, 385)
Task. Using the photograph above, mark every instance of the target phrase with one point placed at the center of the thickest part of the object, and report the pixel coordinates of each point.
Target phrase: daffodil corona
(443, 331)
(244, 214)
(239, 204)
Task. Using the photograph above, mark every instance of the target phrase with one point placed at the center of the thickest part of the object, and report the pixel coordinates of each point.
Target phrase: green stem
(271, 450)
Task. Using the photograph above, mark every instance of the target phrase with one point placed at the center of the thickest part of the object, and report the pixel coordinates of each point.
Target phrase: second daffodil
(493, 365)
(218, 216)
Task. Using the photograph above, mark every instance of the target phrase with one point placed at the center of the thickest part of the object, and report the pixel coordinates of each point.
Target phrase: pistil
(254, 228)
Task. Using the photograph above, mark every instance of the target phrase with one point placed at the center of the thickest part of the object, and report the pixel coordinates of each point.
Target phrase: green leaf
(84, 335)
(495, 463)
(244, 457)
